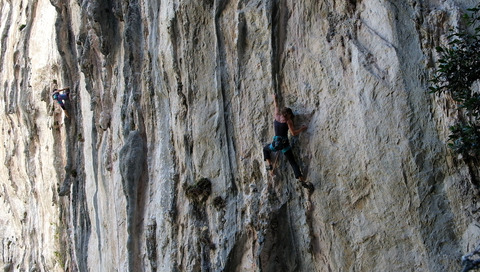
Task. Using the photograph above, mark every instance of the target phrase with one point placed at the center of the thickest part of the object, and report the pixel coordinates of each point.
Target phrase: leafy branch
(457, 72)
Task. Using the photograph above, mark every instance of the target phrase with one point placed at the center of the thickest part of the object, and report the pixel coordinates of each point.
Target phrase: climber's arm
(275, 103)
(294, 131)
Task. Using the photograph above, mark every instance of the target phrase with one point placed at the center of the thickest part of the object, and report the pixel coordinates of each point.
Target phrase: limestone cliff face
(160, 166)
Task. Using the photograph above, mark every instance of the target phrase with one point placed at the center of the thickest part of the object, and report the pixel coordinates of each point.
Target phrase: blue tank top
(281, 129)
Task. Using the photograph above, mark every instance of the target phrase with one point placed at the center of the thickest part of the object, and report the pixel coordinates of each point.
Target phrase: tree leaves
(458, 70)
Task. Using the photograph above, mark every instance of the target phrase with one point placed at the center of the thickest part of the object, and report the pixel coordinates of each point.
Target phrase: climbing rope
(276, 160)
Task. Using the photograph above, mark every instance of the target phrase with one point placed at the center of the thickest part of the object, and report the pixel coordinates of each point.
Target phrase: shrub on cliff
(457, 73)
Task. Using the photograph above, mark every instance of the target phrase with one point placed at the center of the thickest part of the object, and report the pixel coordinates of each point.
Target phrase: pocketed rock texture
(160, 167)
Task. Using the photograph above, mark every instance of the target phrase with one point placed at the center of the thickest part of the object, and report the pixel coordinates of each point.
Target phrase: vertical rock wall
(160, 166)
(33, 150)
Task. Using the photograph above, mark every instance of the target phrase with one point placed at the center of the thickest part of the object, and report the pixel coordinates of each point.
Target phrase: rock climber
(60, 95)
(282, 123)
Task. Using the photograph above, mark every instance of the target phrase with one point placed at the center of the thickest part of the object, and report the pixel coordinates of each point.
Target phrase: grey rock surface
(166, 95)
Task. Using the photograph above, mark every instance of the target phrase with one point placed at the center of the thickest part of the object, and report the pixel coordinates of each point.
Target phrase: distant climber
(61, 95)
(282, 123)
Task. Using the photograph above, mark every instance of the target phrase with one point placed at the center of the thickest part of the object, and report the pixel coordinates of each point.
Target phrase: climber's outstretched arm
(294, 131)
(277, 109)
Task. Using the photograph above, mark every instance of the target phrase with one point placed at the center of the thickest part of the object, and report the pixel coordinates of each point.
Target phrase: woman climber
(60, 95)
(282, 123)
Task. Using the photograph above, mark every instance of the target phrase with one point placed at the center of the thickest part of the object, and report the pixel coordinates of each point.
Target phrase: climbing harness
(280, 143)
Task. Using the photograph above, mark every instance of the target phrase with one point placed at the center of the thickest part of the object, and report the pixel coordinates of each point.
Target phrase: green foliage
(59, 255)
(458, 70)
(60, 258)
(465, 139)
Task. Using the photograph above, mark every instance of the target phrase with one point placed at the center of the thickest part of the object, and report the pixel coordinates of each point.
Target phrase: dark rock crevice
(278, 251)
(223, 74)
(133, 155)
(4, 42)
(279, 13)
(132, 159)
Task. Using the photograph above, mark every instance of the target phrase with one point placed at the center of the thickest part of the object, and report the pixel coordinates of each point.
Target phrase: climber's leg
(293, 163)
(297, 172)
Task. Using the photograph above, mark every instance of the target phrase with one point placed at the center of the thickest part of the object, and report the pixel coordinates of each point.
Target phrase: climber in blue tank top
(283, 122)
(61, 95)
